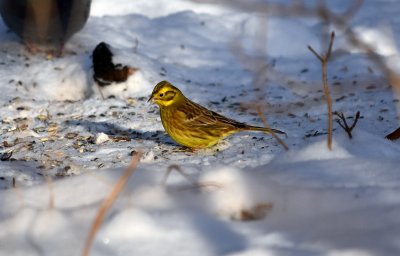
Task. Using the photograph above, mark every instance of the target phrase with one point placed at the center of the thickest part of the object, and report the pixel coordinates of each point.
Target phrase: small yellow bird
(192, 125)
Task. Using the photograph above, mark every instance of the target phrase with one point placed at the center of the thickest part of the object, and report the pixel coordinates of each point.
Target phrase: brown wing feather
(200, 116)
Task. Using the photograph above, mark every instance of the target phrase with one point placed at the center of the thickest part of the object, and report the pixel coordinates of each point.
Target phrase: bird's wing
(200, 116)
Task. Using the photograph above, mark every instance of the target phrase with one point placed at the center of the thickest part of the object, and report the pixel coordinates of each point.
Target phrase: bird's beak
(151, 98)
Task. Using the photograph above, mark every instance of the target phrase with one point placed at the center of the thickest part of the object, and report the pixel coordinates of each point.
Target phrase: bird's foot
(50, 51)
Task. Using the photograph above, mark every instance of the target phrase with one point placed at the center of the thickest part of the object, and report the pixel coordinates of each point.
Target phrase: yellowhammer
(192, 125)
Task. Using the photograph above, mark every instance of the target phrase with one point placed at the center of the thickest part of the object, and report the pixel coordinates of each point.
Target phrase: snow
(245, 196)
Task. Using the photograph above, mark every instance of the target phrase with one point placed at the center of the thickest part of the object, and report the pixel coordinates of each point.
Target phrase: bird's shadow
(115, 130)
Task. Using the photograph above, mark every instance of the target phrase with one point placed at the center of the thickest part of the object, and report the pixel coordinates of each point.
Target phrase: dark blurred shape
(45, 24)
(105, 71)
(394, 135)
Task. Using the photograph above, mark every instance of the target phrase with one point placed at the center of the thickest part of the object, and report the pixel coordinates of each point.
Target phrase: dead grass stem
(108, 202)
(324, 63)
(266, 125)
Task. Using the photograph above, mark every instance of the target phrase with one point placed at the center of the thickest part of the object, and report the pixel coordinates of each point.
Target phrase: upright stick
(324, 62)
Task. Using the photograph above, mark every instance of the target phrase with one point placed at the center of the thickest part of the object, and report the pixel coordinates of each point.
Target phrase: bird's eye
(161, 94)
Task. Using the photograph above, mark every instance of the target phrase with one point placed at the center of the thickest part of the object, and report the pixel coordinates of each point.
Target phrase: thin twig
(136, 46)
(202, 185)
(108, 202)
(324, 62)
(193, 184)
(264, 120)
(175, 167)
(340, 115)
(355, 121)
(315, 53)
(100, 91)
(18, 192)
(348, 129)
(49, 182)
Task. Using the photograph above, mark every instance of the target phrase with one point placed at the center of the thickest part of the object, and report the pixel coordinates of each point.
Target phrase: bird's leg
(59, 50)
(31, 47)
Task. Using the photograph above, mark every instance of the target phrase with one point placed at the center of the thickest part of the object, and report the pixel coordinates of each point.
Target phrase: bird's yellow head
(165, 94)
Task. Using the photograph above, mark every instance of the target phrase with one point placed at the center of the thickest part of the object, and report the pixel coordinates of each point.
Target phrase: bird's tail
(263, 129)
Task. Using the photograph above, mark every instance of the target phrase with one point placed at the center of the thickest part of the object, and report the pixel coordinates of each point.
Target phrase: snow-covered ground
(69, 146)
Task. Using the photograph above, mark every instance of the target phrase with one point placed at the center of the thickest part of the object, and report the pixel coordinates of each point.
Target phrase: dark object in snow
(394, 135)
(105, 71)
(5, 156)
(45, 24)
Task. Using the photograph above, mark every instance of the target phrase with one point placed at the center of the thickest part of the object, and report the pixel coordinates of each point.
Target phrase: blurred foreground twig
(175, 167)
(108, 202)
(266, 125)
